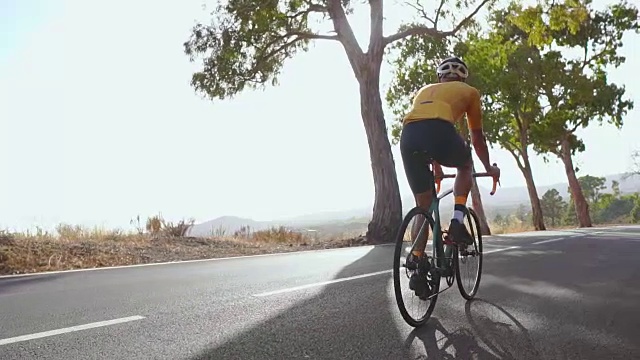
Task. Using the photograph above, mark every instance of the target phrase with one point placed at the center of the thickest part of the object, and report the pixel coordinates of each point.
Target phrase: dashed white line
(322, 283)
(301, 287)
(68, 330)
(549, 241)
(498, 250)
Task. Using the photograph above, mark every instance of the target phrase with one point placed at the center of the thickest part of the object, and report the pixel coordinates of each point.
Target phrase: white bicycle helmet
(451, 67)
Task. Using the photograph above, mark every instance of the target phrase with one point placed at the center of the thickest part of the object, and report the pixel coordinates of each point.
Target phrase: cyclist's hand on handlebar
(494, 171)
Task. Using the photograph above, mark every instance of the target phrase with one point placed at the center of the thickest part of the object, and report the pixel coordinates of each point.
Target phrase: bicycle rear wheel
(468, 261)
(404, 243)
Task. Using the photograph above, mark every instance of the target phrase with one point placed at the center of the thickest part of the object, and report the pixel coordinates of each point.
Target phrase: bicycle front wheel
(468, 261)
(414, 310)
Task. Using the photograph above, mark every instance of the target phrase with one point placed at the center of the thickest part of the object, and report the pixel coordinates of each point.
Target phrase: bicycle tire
(397, 270)
(472, 218)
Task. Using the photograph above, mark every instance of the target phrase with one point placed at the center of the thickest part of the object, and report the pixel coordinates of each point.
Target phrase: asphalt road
(559, 295)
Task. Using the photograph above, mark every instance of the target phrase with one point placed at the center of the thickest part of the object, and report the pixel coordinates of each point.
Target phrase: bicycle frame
(434, 212)
(438, 252)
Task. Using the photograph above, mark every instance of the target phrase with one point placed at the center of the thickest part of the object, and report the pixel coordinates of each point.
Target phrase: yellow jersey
(447, 101)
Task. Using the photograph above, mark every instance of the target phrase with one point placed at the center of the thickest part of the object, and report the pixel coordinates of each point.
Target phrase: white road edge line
(307, 286)
(44, 273)
(550, 240)
(322, 283)
(69, 329)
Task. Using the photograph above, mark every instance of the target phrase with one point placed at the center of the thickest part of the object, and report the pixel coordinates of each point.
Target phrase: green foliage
(532, 91)
(414, 67)
(591, 187)
(605, 207)
(612, 208)
(553, 206)
(505, 68)
(576, 91)
(615, 187)
(247, 42)
(635, 212)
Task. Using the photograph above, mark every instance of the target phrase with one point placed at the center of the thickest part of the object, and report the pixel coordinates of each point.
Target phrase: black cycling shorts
(440, 140)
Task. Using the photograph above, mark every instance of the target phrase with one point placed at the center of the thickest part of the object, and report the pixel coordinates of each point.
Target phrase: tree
(500, 69)
(414, 67)
(552, 205)
(614, 208)
(521, 213)
(591, 187)
(510, 99)
(635, 165)
(635, 212)
(615, 188)
(576, 91)
(247, 42)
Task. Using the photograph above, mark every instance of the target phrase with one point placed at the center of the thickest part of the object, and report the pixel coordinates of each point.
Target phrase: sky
(99, 124)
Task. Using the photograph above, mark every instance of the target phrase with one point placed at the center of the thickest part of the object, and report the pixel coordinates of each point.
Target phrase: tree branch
(297, 37)
(312, 36)
(376, 18)
(313, 8)
(419, 8)
(433, 31)
(345, 34)
(575, 128)
(435, 23)
(464, 21)
(413, 31)
(517, 157)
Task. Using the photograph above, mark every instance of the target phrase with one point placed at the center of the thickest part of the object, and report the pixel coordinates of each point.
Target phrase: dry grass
(74, 247)
(510, 228)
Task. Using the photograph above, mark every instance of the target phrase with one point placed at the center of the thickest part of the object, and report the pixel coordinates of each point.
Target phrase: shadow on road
(349, 320)
(500, 331)
(580, 296)
(12, 284)
(460, 343)
(573, 300)
(489, 333)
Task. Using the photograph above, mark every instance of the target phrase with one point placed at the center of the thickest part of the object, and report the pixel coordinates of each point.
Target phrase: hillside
(506, 200)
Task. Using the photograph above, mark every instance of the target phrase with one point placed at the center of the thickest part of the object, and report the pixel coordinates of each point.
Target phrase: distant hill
(505, 200)
(225, 225)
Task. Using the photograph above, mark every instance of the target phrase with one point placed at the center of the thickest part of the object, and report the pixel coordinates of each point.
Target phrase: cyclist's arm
(437, 168)
(474, 120)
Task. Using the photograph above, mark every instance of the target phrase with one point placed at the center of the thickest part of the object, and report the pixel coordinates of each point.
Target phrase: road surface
(558, 295)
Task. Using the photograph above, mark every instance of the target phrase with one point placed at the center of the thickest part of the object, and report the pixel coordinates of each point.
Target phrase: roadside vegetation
(74, 247)
(158, 240)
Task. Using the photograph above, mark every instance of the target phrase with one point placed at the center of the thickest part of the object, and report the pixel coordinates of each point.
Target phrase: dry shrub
(279, 235)
(510, 227)
(158, 226)
(75, 233)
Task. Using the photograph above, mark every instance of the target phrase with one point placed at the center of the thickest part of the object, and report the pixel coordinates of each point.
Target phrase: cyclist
(429, 126)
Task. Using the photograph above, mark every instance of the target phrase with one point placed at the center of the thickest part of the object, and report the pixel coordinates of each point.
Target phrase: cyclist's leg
(458, 155)
(416, 137)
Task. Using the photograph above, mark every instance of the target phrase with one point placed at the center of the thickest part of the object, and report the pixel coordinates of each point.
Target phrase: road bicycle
(446, 259)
